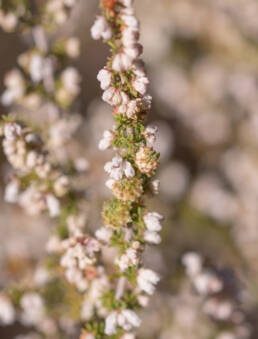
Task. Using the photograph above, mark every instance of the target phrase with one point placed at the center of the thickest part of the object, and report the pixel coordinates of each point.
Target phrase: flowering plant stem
(110, 297)
(132, 226)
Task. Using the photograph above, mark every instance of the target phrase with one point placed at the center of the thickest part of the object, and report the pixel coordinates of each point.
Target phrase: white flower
(129, 19)
(12, 190)
(219, 309)
(152, 237)
(15, 84)
(129, 170)
(32, 201)
(152, 221)
(140, 84)
(106, 141)
(129, 36)
(134, 51)
(135, 106)
(118, 167)
(33, 159)
(155, 186)
(7, 311)
(101, 29)
(150, 134)
(75, 276)
(125, 59)
(115, 168)
(36, 67)
(71, 80)
(129, 258)
(72, 47)
(128, 319)
(33, 308)
(207, 282)
(104, 77)
(193, 263)
(121, 62)
(110, 183)
(104, 234)
(12, 131)
(147, 279)
(127, 3)
(115, 97)
(8, 21)
(53, 205)
(111, 324)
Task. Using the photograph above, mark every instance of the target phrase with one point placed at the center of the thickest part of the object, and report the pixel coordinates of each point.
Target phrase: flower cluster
(37, 185)
(41, 76)
(222, 295)
(12, 13)
(55, 12)
(15, 13)
(108, 300)
(128, 225)
(78, 259)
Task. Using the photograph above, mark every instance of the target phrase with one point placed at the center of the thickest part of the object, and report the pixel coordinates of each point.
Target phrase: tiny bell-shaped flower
(101, 29)
(147, 279)
(152, 221)
(104, 77)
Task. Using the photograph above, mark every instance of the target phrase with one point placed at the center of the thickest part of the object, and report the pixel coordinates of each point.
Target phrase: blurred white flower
(101, 29)
(7, 311)
(146, 280)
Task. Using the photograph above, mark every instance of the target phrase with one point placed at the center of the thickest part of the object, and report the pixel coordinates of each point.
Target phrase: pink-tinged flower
(140, 83)
(114, 96)
(130, 35)
(104, 77)
(121, 62)
(125, 59)
(101, 29)
(150, 134)
(129, 19)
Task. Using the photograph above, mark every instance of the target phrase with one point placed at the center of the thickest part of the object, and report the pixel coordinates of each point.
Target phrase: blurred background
(202, 60)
